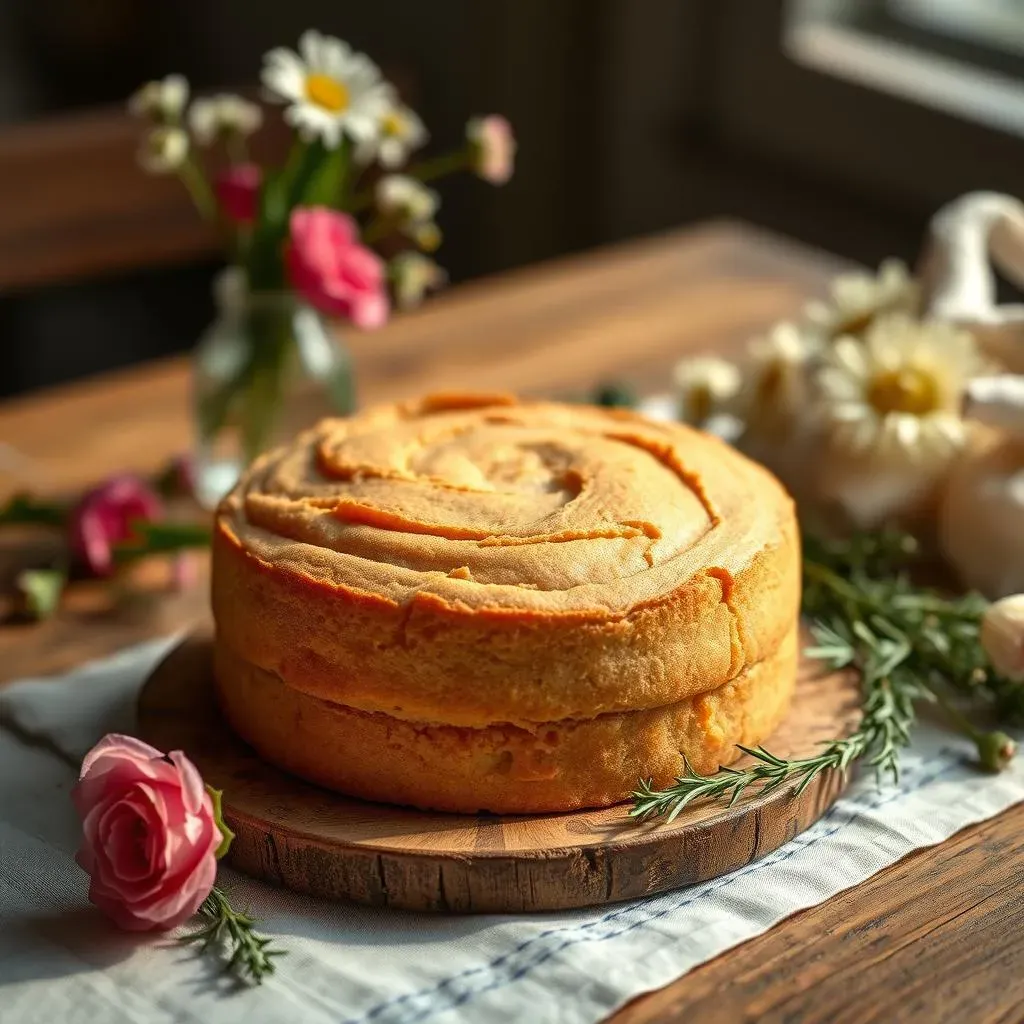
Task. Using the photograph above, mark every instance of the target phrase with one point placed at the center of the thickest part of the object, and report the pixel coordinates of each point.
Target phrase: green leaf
(24, 509)
(247, 954)
(227, 837)
(40, 591)
(263, 267)
(327, 181)
(153, 538)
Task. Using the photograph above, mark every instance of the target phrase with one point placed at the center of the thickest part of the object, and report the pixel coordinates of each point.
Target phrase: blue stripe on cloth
(515, 969)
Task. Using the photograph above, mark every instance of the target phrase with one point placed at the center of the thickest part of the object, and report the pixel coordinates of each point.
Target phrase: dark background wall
(633, 116)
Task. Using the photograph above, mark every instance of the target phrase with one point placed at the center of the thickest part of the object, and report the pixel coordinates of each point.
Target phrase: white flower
(163, 100)
(407, 199)
(777, 392)
(857, 298)
(221, 116)
(399, 132)
(332, 91)
(896, 397)
(163, 150)
(1002, 636)
(492, 148)
(413, 275)
(705, 386)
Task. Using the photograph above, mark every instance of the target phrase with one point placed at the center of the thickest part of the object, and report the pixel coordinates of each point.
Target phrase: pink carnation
(330, 268)
(150, 835)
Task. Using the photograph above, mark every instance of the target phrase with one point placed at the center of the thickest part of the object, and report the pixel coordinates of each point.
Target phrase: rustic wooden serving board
(295, 834)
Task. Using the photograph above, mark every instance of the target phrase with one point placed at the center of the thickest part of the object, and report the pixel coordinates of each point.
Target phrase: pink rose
(105, 516)
(493, 147)
(150, 835)
(329, 267)
(238, 192)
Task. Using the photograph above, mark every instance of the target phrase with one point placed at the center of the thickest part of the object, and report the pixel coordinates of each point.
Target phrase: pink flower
(150, 834)
(105, 516)
(493, 147)
(329, 267)
(238, 192)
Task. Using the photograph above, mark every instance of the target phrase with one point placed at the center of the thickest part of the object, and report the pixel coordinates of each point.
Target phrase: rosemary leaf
(232, 934)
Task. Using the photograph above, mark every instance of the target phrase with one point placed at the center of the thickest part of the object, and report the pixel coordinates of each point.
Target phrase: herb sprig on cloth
(910, 643)
(248, 955)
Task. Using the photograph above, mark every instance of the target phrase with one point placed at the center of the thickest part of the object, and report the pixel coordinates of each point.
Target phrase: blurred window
(965, 57)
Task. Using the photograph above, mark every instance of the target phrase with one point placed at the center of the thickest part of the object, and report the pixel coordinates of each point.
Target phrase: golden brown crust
(507, 769)
(473, 560)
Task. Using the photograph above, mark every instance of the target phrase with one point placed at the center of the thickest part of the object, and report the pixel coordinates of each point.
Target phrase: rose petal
(109, 778)
(180, 897)
(193, 789)
(140, 807)
(116, 744)
(126, 843)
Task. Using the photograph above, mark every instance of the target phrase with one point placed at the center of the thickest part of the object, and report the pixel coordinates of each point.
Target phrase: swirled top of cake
(485, 502)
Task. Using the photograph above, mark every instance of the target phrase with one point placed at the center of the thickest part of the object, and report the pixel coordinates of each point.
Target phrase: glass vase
(267, 367)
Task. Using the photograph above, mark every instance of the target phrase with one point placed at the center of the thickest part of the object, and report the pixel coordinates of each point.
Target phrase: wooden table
(935, 937)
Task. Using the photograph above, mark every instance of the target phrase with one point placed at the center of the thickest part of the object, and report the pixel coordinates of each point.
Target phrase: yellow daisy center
(327, 92)
(393, 124)
(907, 389)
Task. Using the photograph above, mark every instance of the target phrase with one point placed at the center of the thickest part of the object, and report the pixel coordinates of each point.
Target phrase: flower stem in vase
(272, 339)
(199, 189)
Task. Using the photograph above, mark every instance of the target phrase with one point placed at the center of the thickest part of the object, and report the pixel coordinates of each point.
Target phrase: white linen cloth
(61, 961)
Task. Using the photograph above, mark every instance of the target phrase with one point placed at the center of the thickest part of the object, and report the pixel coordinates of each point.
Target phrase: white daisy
(777, 392)
(399, 132)
(332, 91)
(164, 150)
(162, 100)
(412, 276)
(856, 299)
(705, 386)
(896, 396)
(223, 116)
(406, 199)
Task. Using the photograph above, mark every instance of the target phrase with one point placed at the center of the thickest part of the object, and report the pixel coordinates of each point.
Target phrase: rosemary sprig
(909, 643)
(229, 932)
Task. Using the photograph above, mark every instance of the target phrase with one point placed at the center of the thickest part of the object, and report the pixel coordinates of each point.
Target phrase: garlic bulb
(997, 402)
(1002, 636)
(981, 516)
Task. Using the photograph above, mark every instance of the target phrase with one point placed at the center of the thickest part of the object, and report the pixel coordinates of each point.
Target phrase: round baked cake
(471, 603)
